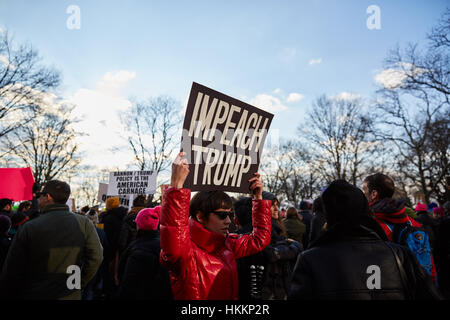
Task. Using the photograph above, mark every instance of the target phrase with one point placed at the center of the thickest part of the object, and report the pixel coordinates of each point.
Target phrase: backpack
(417, 240)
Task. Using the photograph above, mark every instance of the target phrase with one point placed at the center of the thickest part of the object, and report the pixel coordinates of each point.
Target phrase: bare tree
(151, 131)
(46, 144)
(413, 113)
(288, 173)
(338, 135)
(24, 84)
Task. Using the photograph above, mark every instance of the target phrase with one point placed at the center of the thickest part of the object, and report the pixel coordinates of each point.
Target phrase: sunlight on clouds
(268, 103)
(315, 61)
(99, 111)
(295, 97)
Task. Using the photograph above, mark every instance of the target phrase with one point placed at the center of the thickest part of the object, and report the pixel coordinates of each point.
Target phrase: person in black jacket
(112, 221)
(318, 220)
(267, 274)
(140, 274)
(5, 239)
(353, 260)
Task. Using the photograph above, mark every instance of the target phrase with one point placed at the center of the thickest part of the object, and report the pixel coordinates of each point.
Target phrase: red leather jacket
(201, 263)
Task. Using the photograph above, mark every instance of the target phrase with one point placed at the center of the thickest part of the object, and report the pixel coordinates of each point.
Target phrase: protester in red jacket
(196, 247)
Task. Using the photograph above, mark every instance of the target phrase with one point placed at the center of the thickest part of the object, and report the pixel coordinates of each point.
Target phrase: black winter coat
(442, 255)
(337, 267)
(140, 273)
(277, 259)
(129, 231)
(112, 223)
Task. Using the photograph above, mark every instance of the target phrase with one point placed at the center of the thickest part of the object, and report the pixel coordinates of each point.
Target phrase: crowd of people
(348, 243)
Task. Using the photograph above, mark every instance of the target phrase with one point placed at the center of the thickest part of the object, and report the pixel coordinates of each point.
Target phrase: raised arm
(175, 240)
(246, 245)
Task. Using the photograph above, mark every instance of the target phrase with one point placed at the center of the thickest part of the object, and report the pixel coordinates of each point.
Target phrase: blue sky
(257, 51)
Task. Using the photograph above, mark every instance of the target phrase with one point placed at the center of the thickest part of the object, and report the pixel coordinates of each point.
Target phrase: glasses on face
(39, 194)
(222, 214)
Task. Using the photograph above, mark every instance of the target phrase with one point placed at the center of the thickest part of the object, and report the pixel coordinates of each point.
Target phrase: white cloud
(315, 61)
(99, 109)
(392, 78)
(115, 81)
(295, 97)
(277, 91)
(268, 103)
(346, 96)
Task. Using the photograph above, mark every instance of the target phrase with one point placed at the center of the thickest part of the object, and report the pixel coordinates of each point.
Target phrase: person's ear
(374, 195)
(200, 217)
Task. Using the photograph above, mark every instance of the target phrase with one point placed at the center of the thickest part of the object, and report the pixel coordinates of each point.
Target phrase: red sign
(16, 183)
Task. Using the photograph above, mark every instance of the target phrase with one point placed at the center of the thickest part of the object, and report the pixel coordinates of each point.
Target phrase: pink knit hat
(148, 218)
(421, 207)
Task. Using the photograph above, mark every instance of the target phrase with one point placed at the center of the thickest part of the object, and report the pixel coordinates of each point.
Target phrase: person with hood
(353, 259)
(390, 213)
(141, 276)
(196, 246)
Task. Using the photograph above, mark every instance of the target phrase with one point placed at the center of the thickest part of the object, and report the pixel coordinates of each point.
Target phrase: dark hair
(382, 184)
(139, 201)
(317, 206)
(4, 202)
(303, 205)
(24, 205)
(243, 211)
(208, 201)
(292, 213)
(59, 190)
(85, 209)
(344, 202)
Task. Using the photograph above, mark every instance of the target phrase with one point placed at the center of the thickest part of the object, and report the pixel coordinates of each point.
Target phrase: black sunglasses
(39, 194)
(222, 214)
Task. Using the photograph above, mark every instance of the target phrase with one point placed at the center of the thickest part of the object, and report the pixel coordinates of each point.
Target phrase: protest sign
(131, 183)
(223, 139)
(16, 183)
(71, 204)
(102, 195)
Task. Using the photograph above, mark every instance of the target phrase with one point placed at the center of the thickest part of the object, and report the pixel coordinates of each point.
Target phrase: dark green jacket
(38, 261)
(295, 229)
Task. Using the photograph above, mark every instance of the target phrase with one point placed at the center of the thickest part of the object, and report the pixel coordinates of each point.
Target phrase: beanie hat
(5, 223)
(431, 206)
(112, 203)
(344, 202)
(266, 195)
(421, 207)
(148, 218)
(18, 219)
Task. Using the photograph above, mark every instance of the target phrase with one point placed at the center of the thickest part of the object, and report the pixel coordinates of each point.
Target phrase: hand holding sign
(180, 170)
(256, 186)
